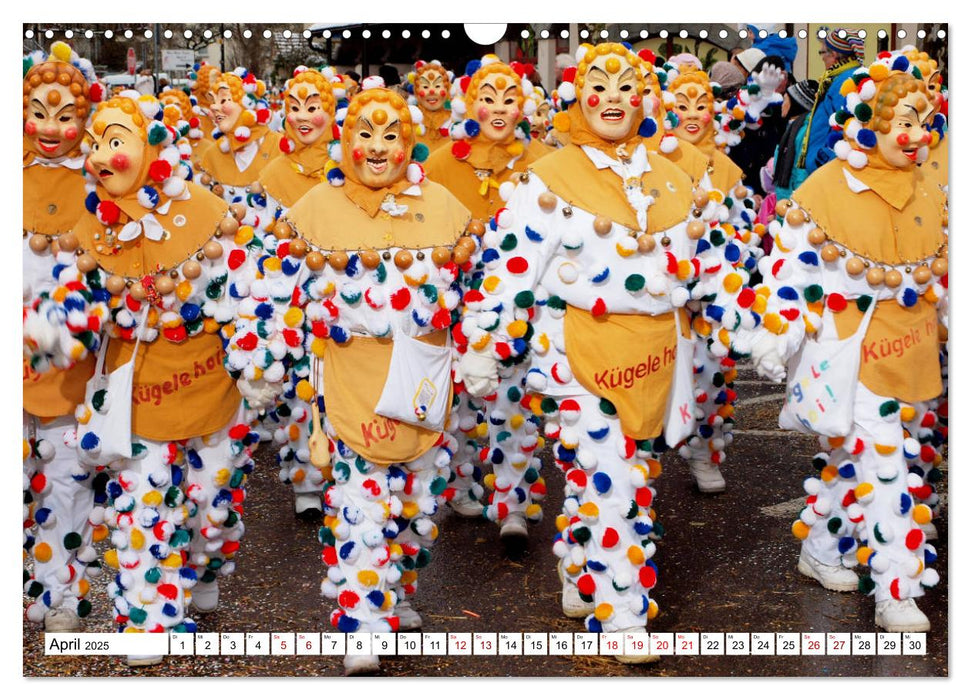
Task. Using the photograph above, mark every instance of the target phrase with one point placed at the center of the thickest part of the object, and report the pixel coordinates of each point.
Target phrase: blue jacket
(816, 150)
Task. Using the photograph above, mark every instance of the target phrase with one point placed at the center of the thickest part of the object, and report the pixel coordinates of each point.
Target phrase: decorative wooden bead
(893, 278)
(547, 202)
(68, 242)
(740, 192)
(567, 212)
(218, 190)
(282, 229)
(817, 236)
(238, 209)
(646, 243)
(467, 243)
(782, 206)
(829, 253)
(854, 266)
(796, 217)
(939, 266)
(701, 199)
(213, 250)
(420, 255)
(298, 247)
(115, 285)
(460, 255)
(137, 290)
(316, 260)
(164, 284)
(602, 225)
(665, 241)
(174, 273)
(339, 260)
(922, 275)
(191, 270)
(441, 256)
(370, 259)
(696, 229)
(476, 227)
(403, 259)
(228, 226)
(86, 263)
(386, 255)
(39, 243)
(206, 179)
(256, 188)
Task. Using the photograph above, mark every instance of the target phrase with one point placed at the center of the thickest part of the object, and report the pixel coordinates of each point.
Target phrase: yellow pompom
(153, 498)
(26, 449)
(652, 610)
(244, 234)
(654, 468)
(482, 343)
(61, 51)
(684, 269)
(562, 522)
(884, 450)
(516, 421)
(800, 530)
(317, 346)
(134, 630)
(211, 325)
(490, 283)
(863, 555)
(879, 71)
(304, 390)
(863, 491)
(409, 509)
(369, 579)
(83, 588)
(772, 323)
(489, 481)
(137, 539)
(847, 87)
(221, 478)
(99, 533)
(589, 510)
(515, 148)
(173, 561)
(407, 577)
(561, 121)
(907, 413)
(395, 551)
(517, 329)
(533, 509)
(184, 290)
(42, 552)
(922, 514)
(272, 264)
(604, 612)
(110, 558)
(636, 555)
(701, 326)
(293, 317)
(482, 430)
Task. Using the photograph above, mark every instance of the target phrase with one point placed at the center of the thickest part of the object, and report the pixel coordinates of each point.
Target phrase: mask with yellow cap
(888, 112)
(377, 138)
(694, 106)
(57, 100)
(431, 85)
(236, 108)
(309, 103)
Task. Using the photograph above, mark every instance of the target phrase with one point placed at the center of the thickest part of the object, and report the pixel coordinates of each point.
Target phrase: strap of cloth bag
(99, 367)
(828, 331)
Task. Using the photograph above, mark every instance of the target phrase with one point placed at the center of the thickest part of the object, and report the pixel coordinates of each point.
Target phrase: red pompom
(517, 265)
(570, 74)
(599, 307)
(108, 213)
(160, 170)
(461, 149)
(96, 93)
(167, 591)
(400, 299)
(263, 115)
(610, 538)
(586, 585)
(648, 576)
(464, 83)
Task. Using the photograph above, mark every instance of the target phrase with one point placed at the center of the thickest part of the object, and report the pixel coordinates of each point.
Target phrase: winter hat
(803, 93)
(749, 58)
(849, 45)
(686, 60)
(727, 76)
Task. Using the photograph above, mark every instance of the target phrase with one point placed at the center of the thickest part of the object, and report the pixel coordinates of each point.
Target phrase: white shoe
(360, 665)
(205, 596)
(573, 605)
(901, 616)
(929, 530)
(61, 620)
(306, 502)
(707, 476)
(135, 660)
(408, 617)
(513, 526)
(833, 578)
(637, 658)
(466, 507)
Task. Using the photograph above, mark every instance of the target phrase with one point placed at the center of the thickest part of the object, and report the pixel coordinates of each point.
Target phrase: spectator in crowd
(758, 145)
(747, 60)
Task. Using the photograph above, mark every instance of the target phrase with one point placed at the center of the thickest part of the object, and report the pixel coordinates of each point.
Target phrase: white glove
(767, 360)
(479, 372)
(768, 79)
(259, 393)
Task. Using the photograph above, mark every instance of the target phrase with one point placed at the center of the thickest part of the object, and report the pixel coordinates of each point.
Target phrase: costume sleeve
(516, 248)
(819, 151)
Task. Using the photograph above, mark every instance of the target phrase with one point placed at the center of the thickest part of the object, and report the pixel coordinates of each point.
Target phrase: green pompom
(863, 112)
(157, 134)
(419, 153)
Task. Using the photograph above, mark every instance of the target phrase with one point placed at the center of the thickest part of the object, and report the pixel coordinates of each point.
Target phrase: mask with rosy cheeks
(899, 146)
(609, 99)
(496, 107)
(223, 110)
(53, 126)
(693, 109)
(117, 154)
(306, 116)
(431, 90)
(378, 151)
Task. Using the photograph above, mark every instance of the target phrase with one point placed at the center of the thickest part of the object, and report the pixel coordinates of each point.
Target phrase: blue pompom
(901, 63)
(347, 624)
(472, 66)
(346, 550)
(847, 470)
(732, 253)
(715, 312)
(149, 197)
(376, 598)
(809, 257)
(866, 138)
(335, 176)
(601, 482)
(788, 293)
(533, 235)
(846, 544)
(593, 625)
(92, 201)
(90, 441)
(909, 297)
(471, 127)
(594, 565)
(190, 312)
(648, 128)
(906, 502)
(496, 456)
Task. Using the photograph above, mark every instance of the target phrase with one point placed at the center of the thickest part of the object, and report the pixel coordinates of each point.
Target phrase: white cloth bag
(417, 389)
(109, 428)
(679, 419)
(822, 379)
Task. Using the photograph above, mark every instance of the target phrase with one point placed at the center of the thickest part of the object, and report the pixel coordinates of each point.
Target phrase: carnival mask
(379, 150)
(609, 99)
(117, 152)
(496, 106)
(53, 126)
(899, 146)
(224, 110)
(694, 111)
(306, 115)
(431, 89)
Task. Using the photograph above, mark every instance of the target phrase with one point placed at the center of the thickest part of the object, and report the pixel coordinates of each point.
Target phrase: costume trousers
(715, 397)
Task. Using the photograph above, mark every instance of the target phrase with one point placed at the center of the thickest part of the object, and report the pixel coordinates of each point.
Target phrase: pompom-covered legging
(715, 395)
(863, 507)
(378, 530)
(605, 530)
(58, 502)
(176, 512)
